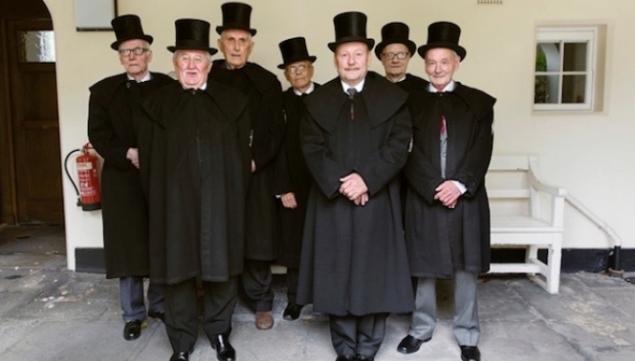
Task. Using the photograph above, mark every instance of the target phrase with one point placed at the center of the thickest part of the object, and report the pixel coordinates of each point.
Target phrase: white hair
(176, 54)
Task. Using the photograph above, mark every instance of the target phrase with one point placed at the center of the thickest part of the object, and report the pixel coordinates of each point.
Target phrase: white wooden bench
(526, 213)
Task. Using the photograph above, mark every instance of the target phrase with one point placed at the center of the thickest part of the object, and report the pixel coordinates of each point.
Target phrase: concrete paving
(48, 313)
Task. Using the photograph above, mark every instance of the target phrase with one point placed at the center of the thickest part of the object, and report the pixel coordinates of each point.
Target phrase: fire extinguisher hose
(68, 174)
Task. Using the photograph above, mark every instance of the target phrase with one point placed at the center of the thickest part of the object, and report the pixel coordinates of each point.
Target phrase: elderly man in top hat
(264, 94)
(394, 51)
(447, 212)
(355, 138)
(293, 179)
(114, 103)
(195, 160)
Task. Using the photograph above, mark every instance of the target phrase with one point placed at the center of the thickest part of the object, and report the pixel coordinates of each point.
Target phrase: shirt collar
(401, 79)
(448, 88)
(308, 91)
(202, 88)
(359, 87)
(146, 77)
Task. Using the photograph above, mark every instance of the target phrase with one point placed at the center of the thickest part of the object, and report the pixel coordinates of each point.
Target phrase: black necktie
(351, 95)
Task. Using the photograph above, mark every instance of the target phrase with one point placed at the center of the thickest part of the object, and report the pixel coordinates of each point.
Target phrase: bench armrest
(535, 183)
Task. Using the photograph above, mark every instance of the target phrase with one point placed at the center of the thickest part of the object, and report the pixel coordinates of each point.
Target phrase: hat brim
(310, 58)
(412, 47)
(115, 45)
(457, 48)
(210, 50)
(220, 29)
(352, 39)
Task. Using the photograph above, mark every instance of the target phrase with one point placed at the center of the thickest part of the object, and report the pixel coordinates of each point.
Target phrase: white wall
(590, 154)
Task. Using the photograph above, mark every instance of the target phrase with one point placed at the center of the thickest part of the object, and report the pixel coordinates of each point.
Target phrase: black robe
(412, 83)
(264, 94)
(354, 258)
(441, 240)
(113, 106)
(292, 175)
(194, 160)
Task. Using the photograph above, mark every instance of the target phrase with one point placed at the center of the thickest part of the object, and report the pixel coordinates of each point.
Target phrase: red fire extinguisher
(88, 194)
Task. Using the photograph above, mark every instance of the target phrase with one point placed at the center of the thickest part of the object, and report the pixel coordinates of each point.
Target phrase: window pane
(573, 89)
(546, 89)
(548, 57)
(36, 46)
(575, 56)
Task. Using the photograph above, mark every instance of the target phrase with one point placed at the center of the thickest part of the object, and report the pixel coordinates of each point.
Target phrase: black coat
(441, 240)
(292, 175)
(413, 83)
(354, 258)
(114, 104)
(264, 94)
(194, 160)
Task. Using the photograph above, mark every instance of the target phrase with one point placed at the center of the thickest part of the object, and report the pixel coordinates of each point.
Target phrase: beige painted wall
(588, 154)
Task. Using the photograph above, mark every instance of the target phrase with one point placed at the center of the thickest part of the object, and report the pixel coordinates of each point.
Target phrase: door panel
(35, 121)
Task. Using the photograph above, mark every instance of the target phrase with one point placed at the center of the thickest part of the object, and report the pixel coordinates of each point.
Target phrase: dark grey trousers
(256, 280)
(357, 335)
(466, 325)
(292, 284)
(181, 311)
(131, 298)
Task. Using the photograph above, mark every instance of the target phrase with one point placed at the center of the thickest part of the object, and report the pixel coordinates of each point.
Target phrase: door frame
(8, 190)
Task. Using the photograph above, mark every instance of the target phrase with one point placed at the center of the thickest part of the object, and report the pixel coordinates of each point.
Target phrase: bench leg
(531, 255)
(553, 261)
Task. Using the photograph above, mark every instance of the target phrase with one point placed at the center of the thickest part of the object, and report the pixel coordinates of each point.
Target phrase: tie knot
(351, 92)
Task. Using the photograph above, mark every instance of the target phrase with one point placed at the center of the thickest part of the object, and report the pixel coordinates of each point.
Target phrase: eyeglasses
(300, 68)
(400, 55)
(136, 51)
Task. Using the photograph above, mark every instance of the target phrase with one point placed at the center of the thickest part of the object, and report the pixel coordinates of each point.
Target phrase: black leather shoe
(470, 353)
(345, 358)
(132, 330)
(157, 315)
(180, 356)
(224, 349)
(410, 344)
(292, 312)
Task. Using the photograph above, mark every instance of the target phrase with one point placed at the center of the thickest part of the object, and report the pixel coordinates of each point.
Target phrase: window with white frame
(565, 68)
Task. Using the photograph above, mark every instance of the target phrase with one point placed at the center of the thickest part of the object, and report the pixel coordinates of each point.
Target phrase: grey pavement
(48, 313)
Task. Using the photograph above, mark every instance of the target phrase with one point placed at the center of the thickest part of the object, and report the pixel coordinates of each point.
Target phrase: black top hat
(128, 27)
(236, 16)
(192, 34)
(350, 27)
(392, 33)
(443, 34)
(294, 50)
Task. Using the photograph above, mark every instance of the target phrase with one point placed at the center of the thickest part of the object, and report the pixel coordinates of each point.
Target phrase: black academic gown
(412, 83)
(264, 94)
(354, 259)
(194, 161)
(113, 106)
(441, 240)
(292, 175)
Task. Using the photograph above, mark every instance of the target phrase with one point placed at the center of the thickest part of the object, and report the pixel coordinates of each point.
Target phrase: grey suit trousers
(424, 318)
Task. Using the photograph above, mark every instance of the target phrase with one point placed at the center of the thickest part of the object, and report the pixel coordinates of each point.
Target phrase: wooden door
(36, 143)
